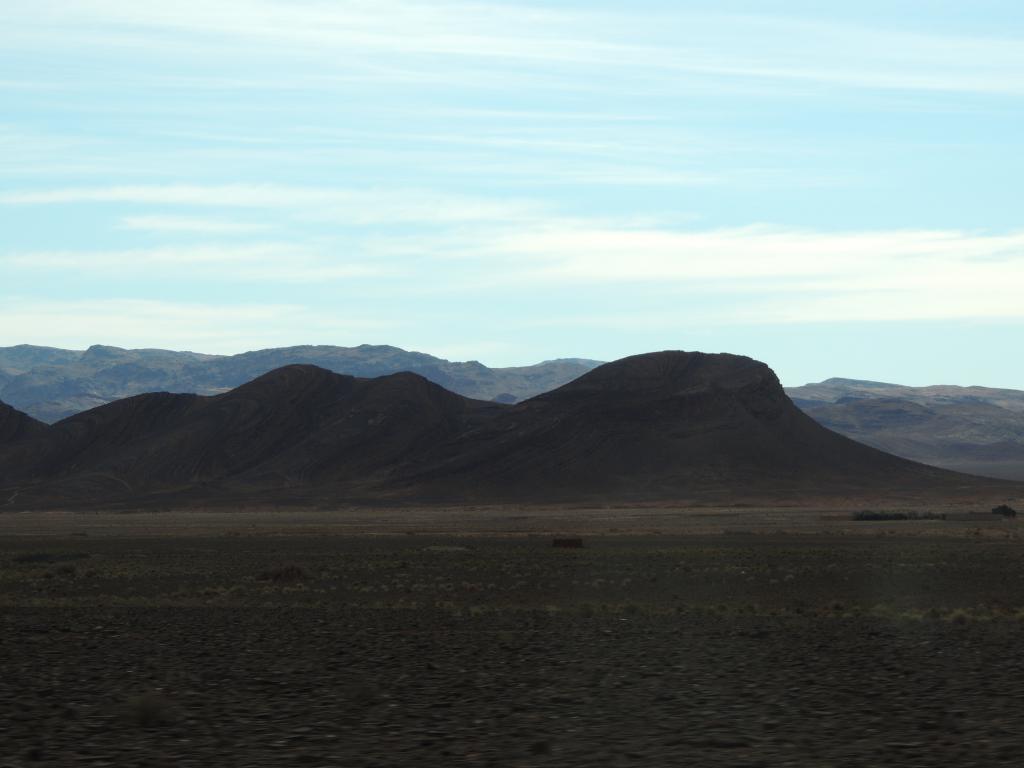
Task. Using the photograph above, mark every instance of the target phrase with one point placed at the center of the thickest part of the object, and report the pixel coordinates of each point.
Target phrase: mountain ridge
(50, 384)
(667, 425)
(979, 430)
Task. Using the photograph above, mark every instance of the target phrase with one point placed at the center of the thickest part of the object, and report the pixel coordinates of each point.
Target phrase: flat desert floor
(702, 636)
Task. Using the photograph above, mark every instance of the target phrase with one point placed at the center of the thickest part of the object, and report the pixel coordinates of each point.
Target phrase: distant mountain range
(969, 429)
(667, 426)
(51, 384)
(978, 430)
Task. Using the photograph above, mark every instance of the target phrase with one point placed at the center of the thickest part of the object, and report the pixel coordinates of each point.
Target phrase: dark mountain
(296, 427)
(16, 426)
(969, 429)
(663, 426)
(978, 430)
(52, 384)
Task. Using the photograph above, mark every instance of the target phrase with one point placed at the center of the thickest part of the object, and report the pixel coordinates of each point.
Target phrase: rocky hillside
(978, 430)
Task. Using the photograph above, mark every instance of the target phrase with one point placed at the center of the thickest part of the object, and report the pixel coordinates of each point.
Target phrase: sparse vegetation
(340, 645)
(49, 558)
(874, 516)
(62, 571)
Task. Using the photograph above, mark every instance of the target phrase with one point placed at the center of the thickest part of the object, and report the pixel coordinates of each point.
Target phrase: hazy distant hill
(969, 429)
(663, 426)
(51, 384)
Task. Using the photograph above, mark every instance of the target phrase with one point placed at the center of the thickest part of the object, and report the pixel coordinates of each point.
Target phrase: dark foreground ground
(266, 640)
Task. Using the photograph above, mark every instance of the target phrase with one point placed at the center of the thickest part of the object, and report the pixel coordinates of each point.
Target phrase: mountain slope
(969, 429)
(663, 426)
(52, 384)
(16, 426)
(297, 426)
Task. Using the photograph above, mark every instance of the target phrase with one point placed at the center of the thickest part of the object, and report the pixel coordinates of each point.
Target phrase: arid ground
(732, 637)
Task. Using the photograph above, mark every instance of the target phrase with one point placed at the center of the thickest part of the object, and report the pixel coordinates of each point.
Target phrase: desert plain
(739, 636)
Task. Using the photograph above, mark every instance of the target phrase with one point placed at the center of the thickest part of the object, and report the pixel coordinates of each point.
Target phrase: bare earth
(702, 636)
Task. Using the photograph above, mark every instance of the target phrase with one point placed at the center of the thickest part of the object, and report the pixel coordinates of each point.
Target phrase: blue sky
(833, 188)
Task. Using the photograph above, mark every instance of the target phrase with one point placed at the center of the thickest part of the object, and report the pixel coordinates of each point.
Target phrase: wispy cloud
(27, 85)
(276, 262)
(445, 245)
(752, 275)
(396, 40)
(188, 224)
(357, 206)
(237, 195)
(392, 26)
(27, 153)
(581, 252)
(483, 174)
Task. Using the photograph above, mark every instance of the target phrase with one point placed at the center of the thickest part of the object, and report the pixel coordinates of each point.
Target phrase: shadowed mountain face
(969, 429)
(52, 384)
(663, 425)
(296, 427)
(16, 426)
(669, 425)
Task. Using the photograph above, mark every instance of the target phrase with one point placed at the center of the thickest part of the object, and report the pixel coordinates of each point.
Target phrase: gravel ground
(405, 650)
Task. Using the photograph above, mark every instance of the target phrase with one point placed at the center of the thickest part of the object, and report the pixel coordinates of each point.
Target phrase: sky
(833, 188)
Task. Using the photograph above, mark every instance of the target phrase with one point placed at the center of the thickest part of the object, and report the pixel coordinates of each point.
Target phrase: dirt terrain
(367, 638)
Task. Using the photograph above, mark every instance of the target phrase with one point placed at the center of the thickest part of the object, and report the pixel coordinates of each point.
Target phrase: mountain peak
(674, 370)
(99, 352)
